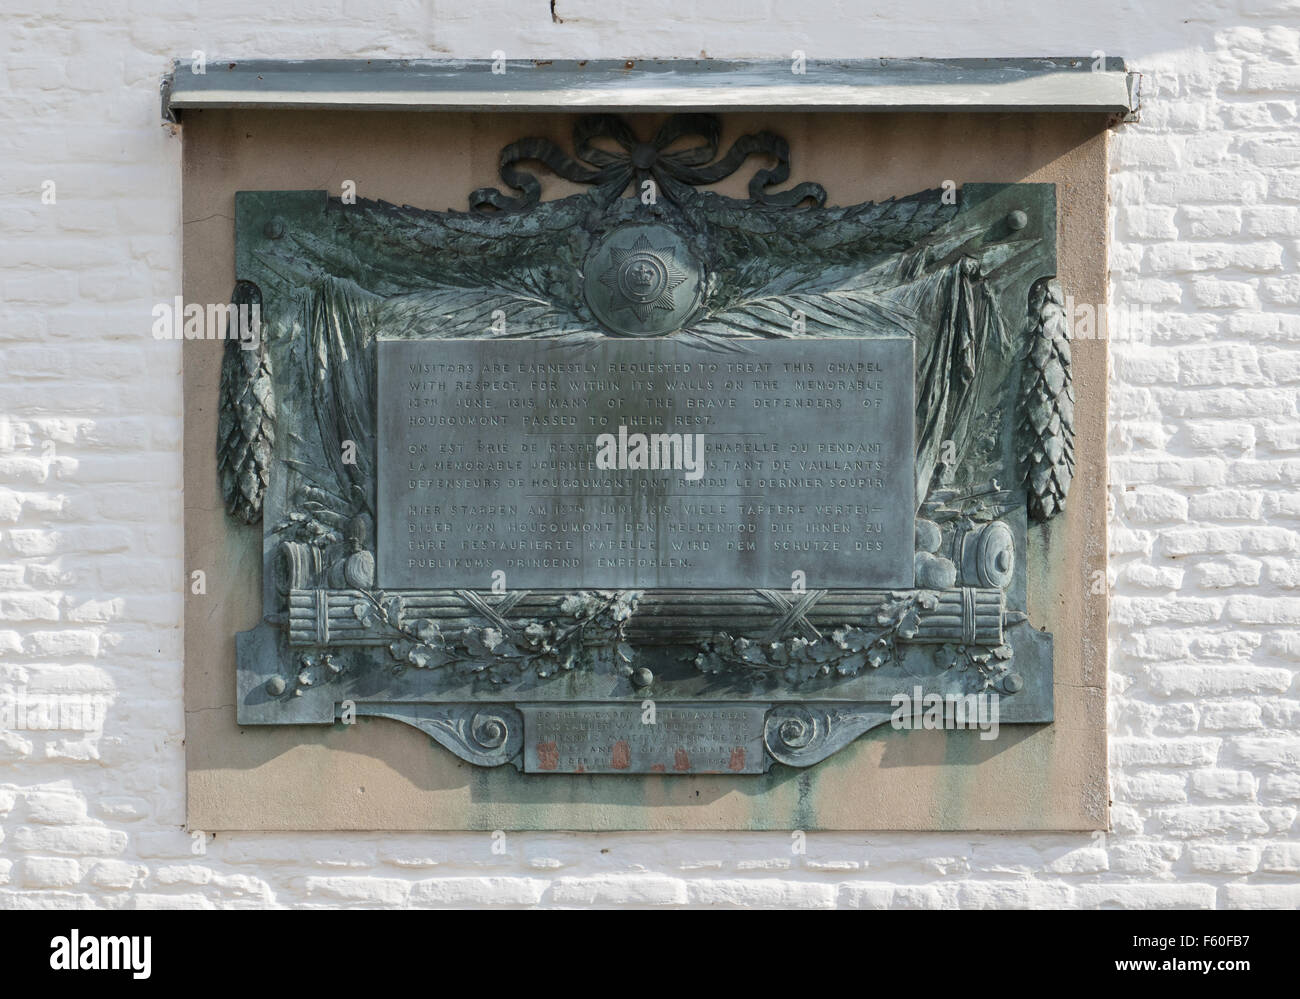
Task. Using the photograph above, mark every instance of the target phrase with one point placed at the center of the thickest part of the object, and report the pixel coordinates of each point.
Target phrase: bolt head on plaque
(641, 280)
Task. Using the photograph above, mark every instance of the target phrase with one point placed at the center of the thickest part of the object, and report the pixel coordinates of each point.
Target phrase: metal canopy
(1056, 84)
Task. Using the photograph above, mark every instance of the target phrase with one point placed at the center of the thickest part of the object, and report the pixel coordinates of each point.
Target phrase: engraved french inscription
(723, 738)
(645, 464)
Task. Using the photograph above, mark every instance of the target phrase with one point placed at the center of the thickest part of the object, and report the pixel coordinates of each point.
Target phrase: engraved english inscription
(645, 463)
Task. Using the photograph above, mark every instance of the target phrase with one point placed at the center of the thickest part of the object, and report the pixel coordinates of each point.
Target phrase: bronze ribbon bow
(674, 172)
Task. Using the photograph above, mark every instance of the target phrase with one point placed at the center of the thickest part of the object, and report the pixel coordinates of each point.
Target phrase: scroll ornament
(1047, 401)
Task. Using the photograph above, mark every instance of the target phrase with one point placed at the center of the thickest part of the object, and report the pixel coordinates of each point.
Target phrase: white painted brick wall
(1205, 453)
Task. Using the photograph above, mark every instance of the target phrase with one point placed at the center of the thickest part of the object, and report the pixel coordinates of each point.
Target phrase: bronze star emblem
(642, 277)
(642, 280)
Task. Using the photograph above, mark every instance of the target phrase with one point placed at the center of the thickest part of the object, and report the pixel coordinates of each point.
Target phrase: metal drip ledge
(975, 85)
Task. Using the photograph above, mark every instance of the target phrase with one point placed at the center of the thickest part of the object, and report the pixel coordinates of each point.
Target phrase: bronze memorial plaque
(674, 484)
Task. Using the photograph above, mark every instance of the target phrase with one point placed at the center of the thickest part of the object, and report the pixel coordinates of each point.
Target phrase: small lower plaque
(645, 463)
(606, 739)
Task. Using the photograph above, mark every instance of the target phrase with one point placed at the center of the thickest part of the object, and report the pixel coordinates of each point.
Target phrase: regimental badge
(642, 280)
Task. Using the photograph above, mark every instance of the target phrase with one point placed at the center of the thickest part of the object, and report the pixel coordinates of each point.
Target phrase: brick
(364, 891)
(183, 874)
(115, 875)
(856, 895)
(1220, 540)
(1250, 896)
(35, 899)
(181, 900)
(1226, 504)
(1143, 858)
(1186, 257)
(1210, 681)
(28, 607)
(1263, 610)
(1145, 896)
(1280, 366)
(1151, 787)
(79, 841)
(459, 892)
(1201, 222)
(55, 807)
(1230, 571)
(1282, 753)
(636, 890)
(759, 893)
(1272, 220)
(1235, 715)
(50, 872)
(123, 808)
(1151, 577)
(1283, 290)
(1152, 504)
(1280, 858)
(1147, 222)
(1166, 752)
(1146, 611)
(1014, 895)
(1203, 821)
(1223, 859)
(1225, 784)
(1083, 860)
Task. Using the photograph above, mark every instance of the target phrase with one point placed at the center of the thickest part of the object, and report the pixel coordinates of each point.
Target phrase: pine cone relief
(246, 423)
(1047, 402)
